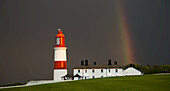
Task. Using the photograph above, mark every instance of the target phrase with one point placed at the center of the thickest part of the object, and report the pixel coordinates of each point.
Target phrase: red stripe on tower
(60, 65)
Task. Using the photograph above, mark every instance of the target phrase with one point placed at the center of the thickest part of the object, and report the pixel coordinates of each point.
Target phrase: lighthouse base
(58, 73)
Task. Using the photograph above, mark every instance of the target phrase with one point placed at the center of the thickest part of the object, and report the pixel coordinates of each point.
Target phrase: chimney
(115, 62)
(131, 65)
(94, 63)
(86, 62)
(109, 62)
(82, 62)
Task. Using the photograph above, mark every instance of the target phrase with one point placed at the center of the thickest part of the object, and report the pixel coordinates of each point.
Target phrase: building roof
(98, 67)
(67, 75)
(77, 75)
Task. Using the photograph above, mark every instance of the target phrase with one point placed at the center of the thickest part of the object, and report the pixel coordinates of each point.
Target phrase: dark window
(116, 70)
(85, 71)
(101, 70)
(93, 77)
(85, 78)
(78, 71)
(92, 71)
(102, 76)
(109, 70)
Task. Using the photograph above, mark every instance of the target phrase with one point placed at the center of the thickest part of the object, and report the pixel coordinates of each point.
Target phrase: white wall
(98, 73)
(106, 73)
(60, 54)
(132, 71)
(59, 73)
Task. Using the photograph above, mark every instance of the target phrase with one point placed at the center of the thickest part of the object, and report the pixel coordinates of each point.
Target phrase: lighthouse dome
(60, 34)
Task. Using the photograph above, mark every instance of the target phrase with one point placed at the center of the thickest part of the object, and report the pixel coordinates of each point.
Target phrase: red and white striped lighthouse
(60, 58)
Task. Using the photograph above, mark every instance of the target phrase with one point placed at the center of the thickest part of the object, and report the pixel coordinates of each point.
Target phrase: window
(101, 70)
(58, 41)
(92, 71)
(116, 70)
(85, 71)
(101, 76)
(78, 71)
(109, 70)
(85, 78)
(93, 77)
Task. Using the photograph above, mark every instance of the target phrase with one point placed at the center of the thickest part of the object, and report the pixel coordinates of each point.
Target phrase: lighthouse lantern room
(60, 58)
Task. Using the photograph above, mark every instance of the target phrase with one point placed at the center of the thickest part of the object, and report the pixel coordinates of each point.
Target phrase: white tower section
(60, 53)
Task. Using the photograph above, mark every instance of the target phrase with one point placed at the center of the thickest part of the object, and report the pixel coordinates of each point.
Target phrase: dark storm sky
(28, 29)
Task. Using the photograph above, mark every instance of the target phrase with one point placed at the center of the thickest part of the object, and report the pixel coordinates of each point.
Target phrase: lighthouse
(60, 58)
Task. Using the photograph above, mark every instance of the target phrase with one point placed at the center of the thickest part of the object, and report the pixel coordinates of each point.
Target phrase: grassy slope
(138, 83)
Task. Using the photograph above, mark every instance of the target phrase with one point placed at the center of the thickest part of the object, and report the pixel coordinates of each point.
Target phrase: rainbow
(124, 32)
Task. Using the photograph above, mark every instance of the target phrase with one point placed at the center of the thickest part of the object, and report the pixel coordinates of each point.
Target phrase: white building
(99, 71)
(132, 71)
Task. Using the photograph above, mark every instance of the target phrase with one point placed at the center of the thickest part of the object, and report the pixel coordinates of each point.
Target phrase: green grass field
(128, 83)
